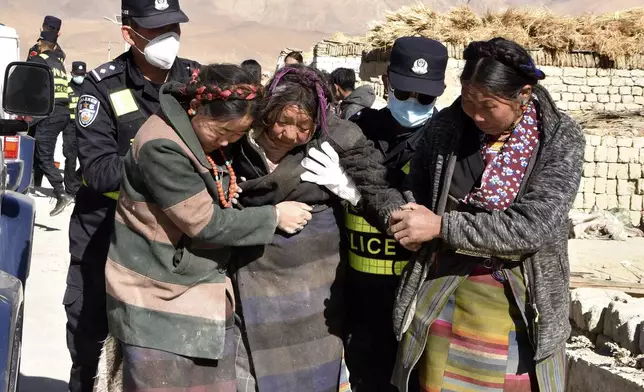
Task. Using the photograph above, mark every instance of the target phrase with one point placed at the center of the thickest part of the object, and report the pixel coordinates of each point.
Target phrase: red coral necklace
(232, 187)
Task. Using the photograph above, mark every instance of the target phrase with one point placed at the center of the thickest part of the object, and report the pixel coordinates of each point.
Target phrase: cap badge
(161, 5)
(420, 67)
(80, 67)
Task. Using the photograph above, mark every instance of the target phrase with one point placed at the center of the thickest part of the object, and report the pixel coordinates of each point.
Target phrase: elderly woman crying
(484, 306)
(291, 290)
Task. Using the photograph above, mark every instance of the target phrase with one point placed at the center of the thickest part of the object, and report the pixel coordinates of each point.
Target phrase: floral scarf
(506, 166)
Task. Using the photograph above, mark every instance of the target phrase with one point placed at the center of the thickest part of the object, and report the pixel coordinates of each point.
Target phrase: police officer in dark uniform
(416, 77)
(116, 99)
(70, 147)
(51, 23)
(46, 131)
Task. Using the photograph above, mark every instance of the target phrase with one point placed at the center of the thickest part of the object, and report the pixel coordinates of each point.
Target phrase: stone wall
(605, 350)
(595, 89)
(613, 175)
(609, 316)
(576, 81)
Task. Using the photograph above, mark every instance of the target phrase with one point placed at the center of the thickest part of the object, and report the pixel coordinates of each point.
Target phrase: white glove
(324, 169)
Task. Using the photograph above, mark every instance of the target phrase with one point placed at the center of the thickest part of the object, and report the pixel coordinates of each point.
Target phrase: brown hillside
(233, 30)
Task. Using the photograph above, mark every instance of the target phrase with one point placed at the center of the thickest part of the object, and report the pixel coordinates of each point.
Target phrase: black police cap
(49, 36)
(52, 22)
(79, 68)
(418, 64)
(152, 14)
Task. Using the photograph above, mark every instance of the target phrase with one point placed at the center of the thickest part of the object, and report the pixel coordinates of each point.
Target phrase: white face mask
(78, 79)
(161, 51)
(409, 113)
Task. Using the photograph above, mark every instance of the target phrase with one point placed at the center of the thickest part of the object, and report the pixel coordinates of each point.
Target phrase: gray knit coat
(535, 225)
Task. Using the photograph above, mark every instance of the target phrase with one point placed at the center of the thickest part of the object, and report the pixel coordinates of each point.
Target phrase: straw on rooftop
(612, 35)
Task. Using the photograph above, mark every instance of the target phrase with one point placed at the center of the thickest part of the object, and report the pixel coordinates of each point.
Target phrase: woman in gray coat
(484, 305)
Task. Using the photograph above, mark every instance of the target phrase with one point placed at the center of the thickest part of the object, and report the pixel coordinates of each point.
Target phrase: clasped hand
(413, 225)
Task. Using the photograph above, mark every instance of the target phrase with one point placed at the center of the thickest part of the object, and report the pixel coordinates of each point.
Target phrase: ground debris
(639, 362)
(579, 342)
(622, 356)
(598, 224)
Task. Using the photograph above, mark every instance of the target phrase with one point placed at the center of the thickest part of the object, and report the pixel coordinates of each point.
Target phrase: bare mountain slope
(233, 30)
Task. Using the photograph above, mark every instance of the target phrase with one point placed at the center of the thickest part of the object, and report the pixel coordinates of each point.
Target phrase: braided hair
(221, 91)
(301, 86)
(500, 66)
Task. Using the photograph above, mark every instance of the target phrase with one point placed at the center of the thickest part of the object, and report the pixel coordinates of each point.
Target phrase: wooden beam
(632, 288)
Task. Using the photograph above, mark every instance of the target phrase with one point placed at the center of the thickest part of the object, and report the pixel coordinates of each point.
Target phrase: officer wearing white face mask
(116, 99)
(416, 77)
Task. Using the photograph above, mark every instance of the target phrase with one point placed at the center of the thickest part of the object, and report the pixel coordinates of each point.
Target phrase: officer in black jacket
(116, 99)
(416, 77)
(51, 23)
(70, 146)
(47, 130)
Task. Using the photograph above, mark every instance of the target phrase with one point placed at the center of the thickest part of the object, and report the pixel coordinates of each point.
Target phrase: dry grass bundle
(621, 33)
(614, 123)
(613, 35)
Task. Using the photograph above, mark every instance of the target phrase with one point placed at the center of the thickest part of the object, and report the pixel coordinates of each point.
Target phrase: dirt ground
(604, 259)
(45, 359)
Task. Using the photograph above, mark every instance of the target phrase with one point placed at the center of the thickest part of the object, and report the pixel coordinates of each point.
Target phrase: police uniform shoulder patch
(106, 70)
(87, 110)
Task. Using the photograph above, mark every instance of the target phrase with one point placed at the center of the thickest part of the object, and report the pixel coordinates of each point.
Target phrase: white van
(9, 52)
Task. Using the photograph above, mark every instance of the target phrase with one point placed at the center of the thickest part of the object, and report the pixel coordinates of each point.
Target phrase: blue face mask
(410, 113)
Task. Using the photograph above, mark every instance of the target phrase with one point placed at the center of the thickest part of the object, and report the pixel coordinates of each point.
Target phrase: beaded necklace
(232, 187)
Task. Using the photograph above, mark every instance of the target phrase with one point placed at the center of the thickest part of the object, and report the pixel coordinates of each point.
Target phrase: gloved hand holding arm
(323, 168)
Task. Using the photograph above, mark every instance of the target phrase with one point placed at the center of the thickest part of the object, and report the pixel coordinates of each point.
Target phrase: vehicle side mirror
(28, 89)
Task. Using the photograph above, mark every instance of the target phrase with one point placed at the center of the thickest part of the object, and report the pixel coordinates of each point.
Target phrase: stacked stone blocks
(613, 175)
(609, 316)
(577, 86)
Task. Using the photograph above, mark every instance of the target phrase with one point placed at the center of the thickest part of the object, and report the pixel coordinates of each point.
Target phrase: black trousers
(370, 344)
(46, 134)
(86, 320)
(70, 151)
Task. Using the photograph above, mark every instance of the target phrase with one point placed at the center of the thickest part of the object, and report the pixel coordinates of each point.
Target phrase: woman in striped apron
(484, 305)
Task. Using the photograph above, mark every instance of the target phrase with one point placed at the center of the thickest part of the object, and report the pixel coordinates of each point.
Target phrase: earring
(524, 105)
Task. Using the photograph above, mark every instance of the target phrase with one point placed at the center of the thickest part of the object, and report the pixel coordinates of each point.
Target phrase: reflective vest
(62, 90)
(73, 102)
(371, 251)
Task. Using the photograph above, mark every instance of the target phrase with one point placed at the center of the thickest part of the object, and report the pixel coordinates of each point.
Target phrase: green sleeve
(179, 190)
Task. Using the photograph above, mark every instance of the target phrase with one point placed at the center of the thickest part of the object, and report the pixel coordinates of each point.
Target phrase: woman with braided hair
(484, 305)
(291, 291)
(170, 304)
